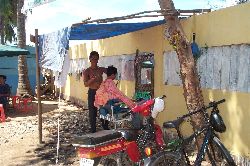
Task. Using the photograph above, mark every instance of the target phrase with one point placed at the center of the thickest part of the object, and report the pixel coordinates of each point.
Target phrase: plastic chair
(25, 104)
(2, 114)
(14, 100)
(113, 111)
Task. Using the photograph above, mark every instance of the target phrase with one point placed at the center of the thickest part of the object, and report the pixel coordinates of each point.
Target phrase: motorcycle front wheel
(166, 159)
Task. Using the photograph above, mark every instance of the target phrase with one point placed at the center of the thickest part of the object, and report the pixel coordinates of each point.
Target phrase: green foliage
(8, 20)
(142, 95)
(219, 3)
(242, 1)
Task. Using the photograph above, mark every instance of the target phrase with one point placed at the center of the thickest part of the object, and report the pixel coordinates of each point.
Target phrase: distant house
(8, 67)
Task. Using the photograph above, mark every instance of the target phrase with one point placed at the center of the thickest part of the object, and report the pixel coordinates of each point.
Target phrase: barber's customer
(108, 90)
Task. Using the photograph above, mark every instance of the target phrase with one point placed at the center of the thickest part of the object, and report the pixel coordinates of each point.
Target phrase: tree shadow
(71, 124)
(235, 113)
(47, 106)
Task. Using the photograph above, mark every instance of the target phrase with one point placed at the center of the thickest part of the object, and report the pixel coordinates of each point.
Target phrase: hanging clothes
(61, 77)
(53, 48)
(77, 65)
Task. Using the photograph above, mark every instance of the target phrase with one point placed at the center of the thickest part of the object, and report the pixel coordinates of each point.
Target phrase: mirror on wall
(144, 74)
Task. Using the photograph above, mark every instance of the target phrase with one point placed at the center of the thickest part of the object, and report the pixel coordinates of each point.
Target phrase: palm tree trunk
(2, 29)
(189, 76)
(23, 80)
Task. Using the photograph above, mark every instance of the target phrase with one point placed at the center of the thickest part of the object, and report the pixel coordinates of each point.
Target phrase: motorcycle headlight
(148, 151)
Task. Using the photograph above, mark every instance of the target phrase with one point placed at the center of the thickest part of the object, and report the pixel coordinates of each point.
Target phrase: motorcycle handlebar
(163, 97)
(130, 112)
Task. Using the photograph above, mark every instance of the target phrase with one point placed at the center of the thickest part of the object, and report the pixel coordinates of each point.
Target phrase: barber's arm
(87, 79)
(104, 70)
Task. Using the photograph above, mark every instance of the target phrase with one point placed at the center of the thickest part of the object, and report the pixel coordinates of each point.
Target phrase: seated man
(108, 91)
(4, 92)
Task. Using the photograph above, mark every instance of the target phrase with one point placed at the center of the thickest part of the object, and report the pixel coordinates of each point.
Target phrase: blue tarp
(102, 31)
(53, 47)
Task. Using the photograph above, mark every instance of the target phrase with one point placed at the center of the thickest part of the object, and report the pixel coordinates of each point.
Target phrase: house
(223, 65)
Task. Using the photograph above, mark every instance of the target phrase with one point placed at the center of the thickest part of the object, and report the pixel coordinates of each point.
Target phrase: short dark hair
(111, 70)
(93, 53)
(3, 76)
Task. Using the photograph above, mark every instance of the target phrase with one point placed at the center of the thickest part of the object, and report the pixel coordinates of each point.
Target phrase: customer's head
(2, 79)
(111, 72)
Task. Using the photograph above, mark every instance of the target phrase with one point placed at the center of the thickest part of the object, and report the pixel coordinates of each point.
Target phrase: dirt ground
(19, 141)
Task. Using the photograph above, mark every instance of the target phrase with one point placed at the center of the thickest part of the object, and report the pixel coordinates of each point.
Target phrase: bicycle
(176, 153)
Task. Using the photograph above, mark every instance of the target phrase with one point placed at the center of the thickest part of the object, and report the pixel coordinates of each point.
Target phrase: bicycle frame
(185, 141)
(207, 130)
(204, 148)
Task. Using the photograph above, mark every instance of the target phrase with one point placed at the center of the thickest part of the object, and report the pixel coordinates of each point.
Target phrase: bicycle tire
(220, 148)
(166, 158)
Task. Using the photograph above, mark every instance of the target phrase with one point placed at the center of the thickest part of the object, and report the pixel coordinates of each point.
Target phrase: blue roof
(102, 31)
(7, 50)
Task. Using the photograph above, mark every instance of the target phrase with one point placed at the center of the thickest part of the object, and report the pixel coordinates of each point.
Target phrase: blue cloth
(116, 108)
(195, 49)
(102, 31)
(53, 48)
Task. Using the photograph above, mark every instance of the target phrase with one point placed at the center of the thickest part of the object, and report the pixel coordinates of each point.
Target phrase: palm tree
(242, 1)
(23, 80)
(7, 20)
(189, 75)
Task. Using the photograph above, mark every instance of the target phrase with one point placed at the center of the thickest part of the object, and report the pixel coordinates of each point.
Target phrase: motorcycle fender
(133, 151)
(103, 150)
(159, 135)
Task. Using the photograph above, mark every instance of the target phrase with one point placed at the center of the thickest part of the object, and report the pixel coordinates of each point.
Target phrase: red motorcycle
(124, 146)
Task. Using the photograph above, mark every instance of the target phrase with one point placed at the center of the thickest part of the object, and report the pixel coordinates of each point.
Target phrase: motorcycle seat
(173, 124)
(96, 139)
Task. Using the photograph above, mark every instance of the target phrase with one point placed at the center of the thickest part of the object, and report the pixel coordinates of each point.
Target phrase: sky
(62, 13)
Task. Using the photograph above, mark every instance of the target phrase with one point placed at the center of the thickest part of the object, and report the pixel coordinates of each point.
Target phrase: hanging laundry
(61, 77)
(53, 48)
(77, 65)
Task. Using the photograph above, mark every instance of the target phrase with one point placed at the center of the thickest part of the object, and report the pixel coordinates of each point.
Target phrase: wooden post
(39, 106)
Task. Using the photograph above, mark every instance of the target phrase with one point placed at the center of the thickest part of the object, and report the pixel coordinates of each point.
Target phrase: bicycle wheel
(220, 154)
(167, 159)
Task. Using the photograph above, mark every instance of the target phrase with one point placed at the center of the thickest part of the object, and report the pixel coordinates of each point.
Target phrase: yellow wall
(149, 40)
(223, 27)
